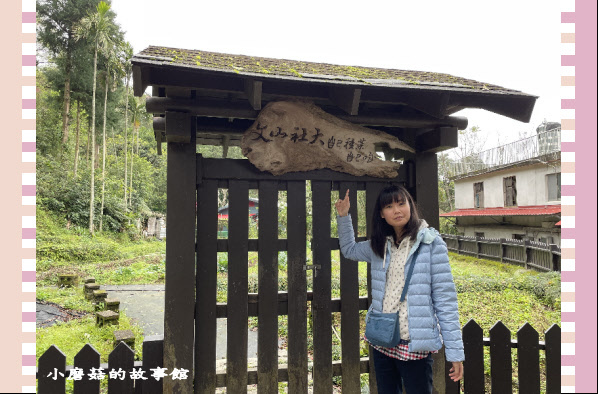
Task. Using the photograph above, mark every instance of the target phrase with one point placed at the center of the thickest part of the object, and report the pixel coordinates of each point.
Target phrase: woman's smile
(396, 214)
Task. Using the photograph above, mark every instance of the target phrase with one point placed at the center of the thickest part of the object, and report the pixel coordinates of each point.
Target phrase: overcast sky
(512, 43)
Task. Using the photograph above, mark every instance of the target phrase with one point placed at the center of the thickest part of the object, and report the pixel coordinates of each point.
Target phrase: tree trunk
(115, 146)
(66, 105)
(131, 173)
(126, 136)
(449, 197)
(93, 135)
(88, 140)
(77, 139)
(104, 154)
(65, 111)
(97, 149)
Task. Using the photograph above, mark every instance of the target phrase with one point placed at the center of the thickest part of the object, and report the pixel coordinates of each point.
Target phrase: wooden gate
(239, 176)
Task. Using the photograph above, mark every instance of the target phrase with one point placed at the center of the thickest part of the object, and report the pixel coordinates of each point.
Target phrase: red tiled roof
(225, 216)
(508, 211)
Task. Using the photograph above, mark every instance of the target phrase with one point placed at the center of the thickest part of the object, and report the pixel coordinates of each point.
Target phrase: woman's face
(397, 214)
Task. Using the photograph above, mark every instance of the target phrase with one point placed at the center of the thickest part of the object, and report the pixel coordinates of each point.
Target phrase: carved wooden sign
(290, 136)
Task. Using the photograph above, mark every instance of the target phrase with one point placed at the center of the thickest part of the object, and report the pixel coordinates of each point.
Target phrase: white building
(512, 191)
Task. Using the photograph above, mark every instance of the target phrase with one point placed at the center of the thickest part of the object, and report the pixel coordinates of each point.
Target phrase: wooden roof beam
(217, 136)
(158, 105)
(253, 89)
(437, 140)
(177, 126)
(434, 103)
(346, 98)
(514, 107)
(140, 80)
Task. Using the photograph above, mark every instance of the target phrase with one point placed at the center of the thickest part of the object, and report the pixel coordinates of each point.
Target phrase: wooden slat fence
(500, 346)
(134, 377)
(529, 254)
(239, 176)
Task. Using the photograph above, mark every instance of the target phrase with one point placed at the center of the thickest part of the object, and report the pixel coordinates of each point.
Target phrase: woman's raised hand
(342, 206)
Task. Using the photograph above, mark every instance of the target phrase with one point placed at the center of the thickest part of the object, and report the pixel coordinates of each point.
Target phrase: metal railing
(538, 146)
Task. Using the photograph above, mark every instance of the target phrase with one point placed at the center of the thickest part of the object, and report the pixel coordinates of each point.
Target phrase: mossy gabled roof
(242, 64)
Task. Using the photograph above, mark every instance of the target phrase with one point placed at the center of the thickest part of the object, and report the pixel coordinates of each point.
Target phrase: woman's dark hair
(381, 229)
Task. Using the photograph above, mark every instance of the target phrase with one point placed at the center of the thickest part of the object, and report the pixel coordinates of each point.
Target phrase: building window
(553, 183)
(481, 235)
(478, 195)
(510, 191)
(518, 237)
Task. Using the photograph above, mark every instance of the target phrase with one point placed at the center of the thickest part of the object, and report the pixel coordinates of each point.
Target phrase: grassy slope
(489, 291)
(110, 258)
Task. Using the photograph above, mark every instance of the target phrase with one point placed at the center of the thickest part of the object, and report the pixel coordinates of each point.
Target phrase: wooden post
(473, 344)
(477, 246)
(121, 358)
(153, 347)
(556, 258)
(502, 249)
(267, 340)
(86, 359)
(373, 189)
(501, 373)
(206, 281)
(459, 244)
(426, 173)
(236, 327)
(528, 252)
(180, 260)
(553, 360)
(51, 371)
(350, 306)
(297, 279)
(321, 308)
(528, 357)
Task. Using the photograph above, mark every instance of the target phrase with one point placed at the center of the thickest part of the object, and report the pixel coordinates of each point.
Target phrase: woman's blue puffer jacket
(431, 296)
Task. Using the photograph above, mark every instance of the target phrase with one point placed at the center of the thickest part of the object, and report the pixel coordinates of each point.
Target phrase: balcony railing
(539, 146)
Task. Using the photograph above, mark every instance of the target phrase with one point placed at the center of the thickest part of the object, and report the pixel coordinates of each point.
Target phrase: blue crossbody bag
(382, 329)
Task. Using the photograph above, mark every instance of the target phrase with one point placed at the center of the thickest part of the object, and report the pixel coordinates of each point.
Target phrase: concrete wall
(531, 181)
(529, 227)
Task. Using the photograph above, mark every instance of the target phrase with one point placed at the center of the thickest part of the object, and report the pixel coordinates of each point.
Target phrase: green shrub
(58, 248)
(222, 262)
(546, 287)
(282, 259)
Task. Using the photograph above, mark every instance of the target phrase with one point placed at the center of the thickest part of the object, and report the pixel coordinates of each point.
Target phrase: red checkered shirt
(401, 352)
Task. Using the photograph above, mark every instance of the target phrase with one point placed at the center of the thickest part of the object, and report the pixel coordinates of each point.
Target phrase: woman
(430, 305)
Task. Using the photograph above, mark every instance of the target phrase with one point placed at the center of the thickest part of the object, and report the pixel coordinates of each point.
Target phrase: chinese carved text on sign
(290, 136)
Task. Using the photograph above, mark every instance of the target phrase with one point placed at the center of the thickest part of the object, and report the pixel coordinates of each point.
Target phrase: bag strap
(409, 273)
